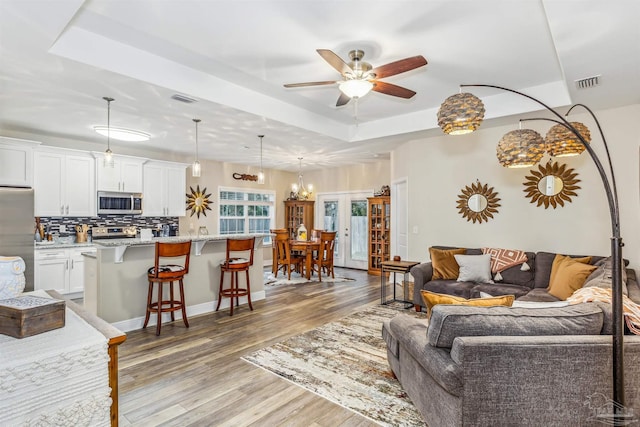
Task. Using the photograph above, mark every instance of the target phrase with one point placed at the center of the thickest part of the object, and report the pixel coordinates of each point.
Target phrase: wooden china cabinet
(298, 212)
(379, 231)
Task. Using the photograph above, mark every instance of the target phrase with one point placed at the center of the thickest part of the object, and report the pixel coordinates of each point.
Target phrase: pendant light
(108, 154)
(195, 167)
(261, 174)
(299, 191)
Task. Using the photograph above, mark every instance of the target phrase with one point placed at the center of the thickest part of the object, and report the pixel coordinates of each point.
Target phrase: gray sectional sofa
(506, 366)
(527, 285)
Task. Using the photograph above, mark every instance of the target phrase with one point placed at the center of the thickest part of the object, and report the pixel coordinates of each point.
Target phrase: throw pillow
(474, 268)
(559, 258)
(602, 277)
(501, 259)
(444, 264)
(567, 276)
(431, 299)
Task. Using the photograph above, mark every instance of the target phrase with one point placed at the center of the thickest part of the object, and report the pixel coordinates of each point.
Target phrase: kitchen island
(116, 278)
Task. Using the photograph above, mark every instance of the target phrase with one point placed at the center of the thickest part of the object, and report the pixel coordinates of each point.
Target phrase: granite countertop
(58, 245)
(175, 239)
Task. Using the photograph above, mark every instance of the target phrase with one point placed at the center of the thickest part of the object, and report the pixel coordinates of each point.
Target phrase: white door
(345, 213)
(400, 218)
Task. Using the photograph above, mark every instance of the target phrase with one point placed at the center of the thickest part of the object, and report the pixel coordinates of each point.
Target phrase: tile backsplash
(106, 221)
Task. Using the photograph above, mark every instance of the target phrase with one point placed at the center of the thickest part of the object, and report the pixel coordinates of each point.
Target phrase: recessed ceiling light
(122, 134)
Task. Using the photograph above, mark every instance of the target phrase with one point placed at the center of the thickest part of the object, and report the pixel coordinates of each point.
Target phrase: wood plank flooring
(194, 376)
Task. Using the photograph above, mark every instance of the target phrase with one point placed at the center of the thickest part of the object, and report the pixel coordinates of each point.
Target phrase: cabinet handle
(67, 264)
(67, 209)
(72, 267)
(123, 186)
(62, 210)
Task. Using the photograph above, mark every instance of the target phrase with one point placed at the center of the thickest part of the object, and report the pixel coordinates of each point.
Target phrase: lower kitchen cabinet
(61, 270)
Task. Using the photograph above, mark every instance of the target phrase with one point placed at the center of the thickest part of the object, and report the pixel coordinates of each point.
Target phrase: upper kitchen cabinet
(124, 175)
(64, 183)
(16, 162)
(164, 189)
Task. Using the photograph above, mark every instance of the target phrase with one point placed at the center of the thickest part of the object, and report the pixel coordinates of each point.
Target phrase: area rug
(282, 279)
(345, 362)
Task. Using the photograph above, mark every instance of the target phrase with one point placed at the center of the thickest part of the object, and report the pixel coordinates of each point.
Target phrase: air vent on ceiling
(588, 82)
(183, 98)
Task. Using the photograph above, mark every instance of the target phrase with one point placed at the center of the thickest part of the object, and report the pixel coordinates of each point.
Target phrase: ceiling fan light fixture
(460, 114)
(122, 134)
(355, 88)
(561, 142)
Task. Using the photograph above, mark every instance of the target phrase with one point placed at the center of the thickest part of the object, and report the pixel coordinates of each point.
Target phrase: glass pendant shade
(460, 114)
(521, 148)
(355, 88)
(196, 170)
(561, 142)
(261, 177)
(261, 173)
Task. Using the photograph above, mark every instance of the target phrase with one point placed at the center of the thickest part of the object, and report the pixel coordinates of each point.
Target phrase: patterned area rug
(346, 362)
(271, 280)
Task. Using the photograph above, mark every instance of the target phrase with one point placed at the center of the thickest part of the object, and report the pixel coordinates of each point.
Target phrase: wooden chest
(27, 315)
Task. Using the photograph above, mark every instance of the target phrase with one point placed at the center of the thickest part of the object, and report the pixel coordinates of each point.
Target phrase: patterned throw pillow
(501, 259)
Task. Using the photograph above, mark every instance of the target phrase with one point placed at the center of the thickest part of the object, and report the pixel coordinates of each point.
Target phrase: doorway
(345, 213)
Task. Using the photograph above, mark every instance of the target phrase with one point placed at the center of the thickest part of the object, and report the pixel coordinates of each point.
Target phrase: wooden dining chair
(324, 258)
(274, 249)
(285, 259)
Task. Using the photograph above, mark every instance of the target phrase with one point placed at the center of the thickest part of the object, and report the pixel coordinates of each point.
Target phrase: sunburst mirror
(198, 201)
(478, 203)
(552, 184)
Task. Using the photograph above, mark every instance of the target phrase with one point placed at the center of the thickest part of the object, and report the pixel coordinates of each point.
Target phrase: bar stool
(161, 273)
(234, 264)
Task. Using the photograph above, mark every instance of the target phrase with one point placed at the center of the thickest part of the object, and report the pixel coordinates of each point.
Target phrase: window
(246, 211)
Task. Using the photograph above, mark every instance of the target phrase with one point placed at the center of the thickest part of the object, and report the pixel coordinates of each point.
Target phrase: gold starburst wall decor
(198, 201)
(552, 184)
(478, 202)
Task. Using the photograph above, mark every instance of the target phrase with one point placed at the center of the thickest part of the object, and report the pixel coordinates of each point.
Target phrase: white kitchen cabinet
(61, 270)
(64, 183)
(124, 175)
(164, 189)
(16, 162)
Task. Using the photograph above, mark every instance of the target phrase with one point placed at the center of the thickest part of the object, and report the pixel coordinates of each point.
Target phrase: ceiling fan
(359, 77)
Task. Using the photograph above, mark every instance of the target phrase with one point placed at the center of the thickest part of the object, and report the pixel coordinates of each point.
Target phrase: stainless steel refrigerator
(17, 228)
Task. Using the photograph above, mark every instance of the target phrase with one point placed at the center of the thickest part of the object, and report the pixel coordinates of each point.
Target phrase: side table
(395, 267)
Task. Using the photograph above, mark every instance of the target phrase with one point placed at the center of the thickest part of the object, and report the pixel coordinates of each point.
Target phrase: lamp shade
(355, 88)
(460, 113)
(562, 142)
(521, 148)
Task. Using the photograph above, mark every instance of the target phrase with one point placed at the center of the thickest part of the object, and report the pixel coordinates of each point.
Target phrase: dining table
(308, 247)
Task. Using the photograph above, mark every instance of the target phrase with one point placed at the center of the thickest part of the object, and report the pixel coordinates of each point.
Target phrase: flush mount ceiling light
(561, 142)
(460, 114)
(355, 88)
(123, 134)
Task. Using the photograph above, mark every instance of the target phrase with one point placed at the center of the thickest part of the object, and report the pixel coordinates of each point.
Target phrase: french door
(345, 213)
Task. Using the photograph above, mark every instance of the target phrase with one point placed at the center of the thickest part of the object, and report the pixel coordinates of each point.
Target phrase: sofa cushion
(568, 275)
(499, 289)
(443, 262)
(391, 341)
(474, 268)
(432, 299)
(451, 321)
(602, 277)
(451, 287)
(538, 294)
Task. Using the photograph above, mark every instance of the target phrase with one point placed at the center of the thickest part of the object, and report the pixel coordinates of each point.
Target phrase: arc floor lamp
(462, 113)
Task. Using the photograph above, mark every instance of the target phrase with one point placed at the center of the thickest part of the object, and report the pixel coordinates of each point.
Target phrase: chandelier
(298, 190)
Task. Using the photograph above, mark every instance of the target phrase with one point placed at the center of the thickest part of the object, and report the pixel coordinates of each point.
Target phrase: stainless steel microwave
(119, 203)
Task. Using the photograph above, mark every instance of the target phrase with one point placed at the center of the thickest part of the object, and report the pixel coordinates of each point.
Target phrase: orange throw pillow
(444, 264)
(432, 299)
(568, 275)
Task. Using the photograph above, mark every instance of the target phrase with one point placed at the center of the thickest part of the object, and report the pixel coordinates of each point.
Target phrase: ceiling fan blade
(397, 67)
(335, 61)
(310, 84)
(342, 100)
(393, 90)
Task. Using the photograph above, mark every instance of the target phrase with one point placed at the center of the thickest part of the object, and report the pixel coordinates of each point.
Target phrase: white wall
(439, 167)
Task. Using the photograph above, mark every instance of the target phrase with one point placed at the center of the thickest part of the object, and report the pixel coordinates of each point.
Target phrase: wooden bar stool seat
(163, 273)
(239, 258)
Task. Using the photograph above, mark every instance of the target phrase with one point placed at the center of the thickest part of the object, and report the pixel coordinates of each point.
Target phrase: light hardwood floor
(194, 376)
